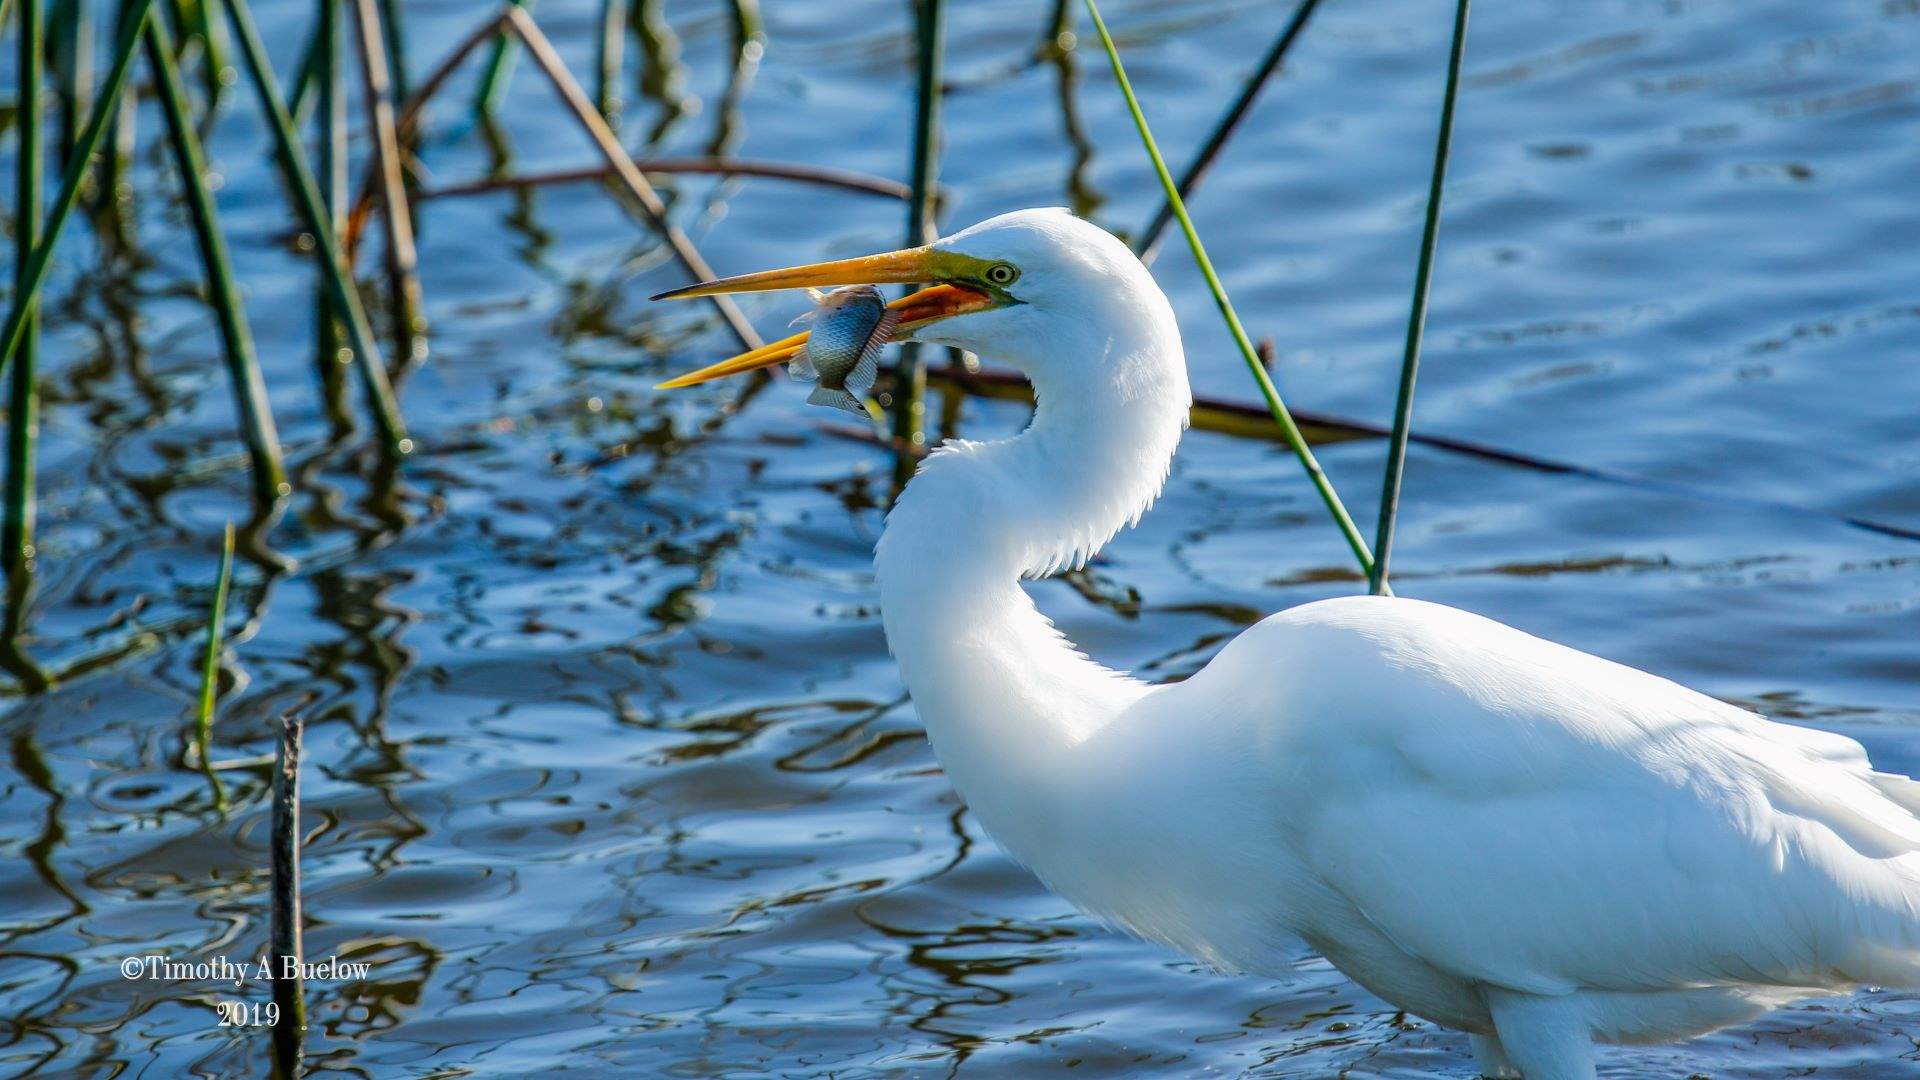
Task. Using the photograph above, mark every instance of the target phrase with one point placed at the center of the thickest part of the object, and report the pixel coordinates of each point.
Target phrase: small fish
(850, 326)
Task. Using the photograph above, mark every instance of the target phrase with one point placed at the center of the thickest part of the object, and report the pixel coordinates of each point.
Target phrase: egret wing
(1527, 815)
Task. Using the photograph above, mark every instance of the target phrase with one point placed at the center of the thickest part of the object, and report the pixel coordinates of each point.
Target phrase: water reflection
(610, 763)
(663, 78)
(1060, 48)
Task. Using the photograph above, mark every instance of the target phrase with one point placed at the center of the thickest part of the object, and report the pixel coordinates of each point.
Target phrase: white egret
(1503, 835)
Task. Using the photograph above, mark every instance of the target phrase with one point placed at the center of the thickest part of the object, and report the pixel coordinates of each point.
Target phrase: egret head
(1031, 288)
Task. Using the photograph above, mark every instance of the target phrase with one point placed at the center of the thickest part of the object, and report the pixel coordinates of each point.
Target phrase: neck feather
(1000, 691)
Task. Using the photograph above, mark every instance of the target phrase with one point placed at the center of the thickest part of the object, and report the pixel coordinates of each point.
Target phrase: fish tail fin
(835, 398)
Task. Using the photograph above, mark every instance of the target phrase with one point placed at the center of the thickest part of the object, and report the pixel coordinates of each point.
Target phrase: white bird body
(1504, 835)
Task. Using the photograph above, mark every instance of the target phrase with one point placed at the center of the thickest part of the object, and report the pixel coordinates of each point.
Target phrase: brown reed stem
(335, 271)
(576, 99)
(403, 261)
(840, 179)
(408, 124)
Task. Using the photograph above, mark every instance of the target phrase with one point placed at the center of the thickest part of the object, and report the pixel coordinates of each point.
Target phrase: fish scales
(849, 328)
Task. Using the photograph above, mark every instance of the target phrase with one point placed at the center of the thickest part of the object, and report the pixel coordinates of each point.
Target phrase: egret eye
(1002, 274)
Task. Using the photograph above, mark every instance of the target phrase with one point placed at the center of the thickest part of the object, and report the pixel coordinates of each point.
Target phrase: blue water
(610, 769)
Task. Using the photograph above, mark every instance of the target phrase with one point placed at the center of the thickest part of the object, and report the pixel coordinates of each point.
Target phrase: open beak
(911, 266)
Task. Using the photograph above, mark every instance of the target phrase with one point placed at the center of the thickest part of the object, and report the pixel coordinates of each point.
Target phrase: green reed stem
(332, 354)
(396, 40)
(1147, 245)
(910, 371)
(112, 192)
(306, 72)
(210, 670)
(213, 57)
(23, 398)
(105, 104)
(68, 48)
(334, 269)
(499, 68)
(243, 367)
(1417, 316)
(1278, 408)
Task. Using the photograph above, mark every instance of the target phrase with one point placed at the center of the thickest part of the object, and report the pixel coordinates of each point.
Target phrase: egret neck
(1002, 694)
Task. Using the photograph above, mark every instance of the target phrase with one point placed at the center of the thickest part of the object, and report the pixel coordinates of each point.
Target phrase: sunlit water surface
(610, 769)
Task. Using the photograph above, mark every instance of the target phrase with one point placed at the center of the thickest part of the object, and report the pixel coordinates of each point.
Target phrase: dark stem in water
(1148, 242)
(333, 267)
(332, 355)
(910, 372)
(243, 368)
(1417, 318)
(284, 867)
(67, 45)
(499, 69)
(610, 59)
(23, 397)
(749, 45)
(663, 78)
(33, 271)
(113, 192)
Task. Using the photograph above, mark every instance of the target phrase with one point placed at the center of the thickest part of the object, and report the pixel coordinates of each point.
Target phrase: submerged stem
(331, 353)
(403, 262)
(210, 671)
(499, 69)
(333, 267)
(284, 920)
(33, 273)
(243, 367)
(23, 398)
(910, 372)
(609, 58)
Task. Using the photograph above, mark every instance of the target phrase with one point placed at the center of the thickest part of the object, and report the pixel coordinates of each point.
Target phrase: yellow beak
(910, 266)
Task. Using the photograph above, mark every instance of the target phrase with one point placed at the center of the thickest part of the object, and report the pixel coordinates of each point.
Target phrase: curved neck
(1000, 691)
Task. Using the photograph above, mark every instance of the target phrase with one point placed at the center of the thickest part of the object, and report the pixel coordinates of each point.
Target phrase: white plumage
(1498, 833)
(1506, 836)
